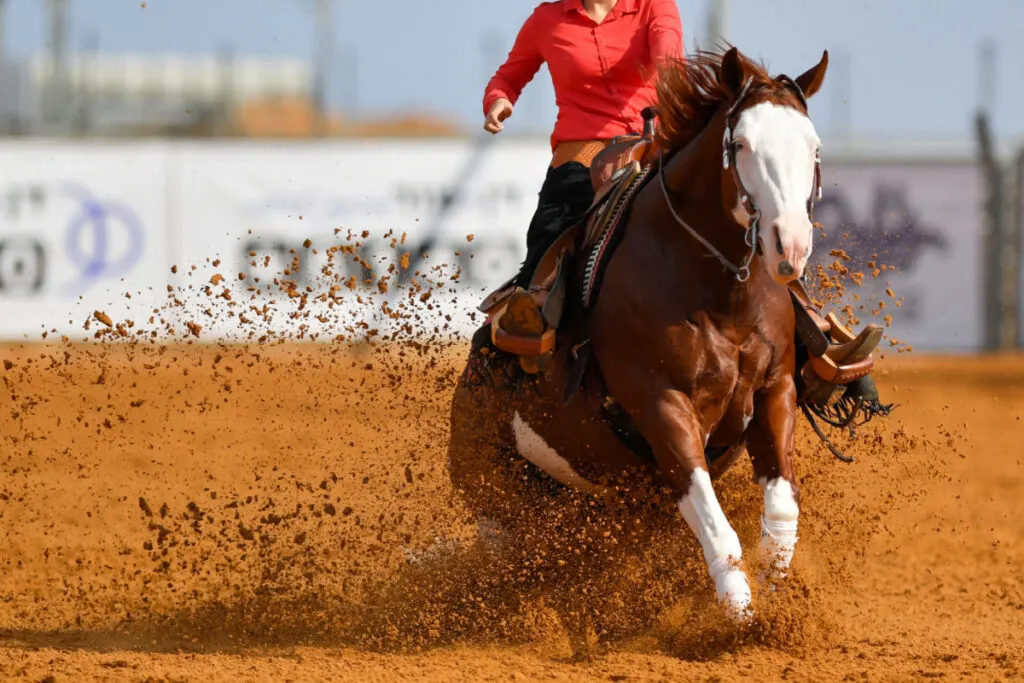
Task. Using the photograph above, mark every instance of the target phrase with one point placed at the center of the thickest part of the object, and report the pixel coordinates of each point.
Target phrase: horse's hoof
(770, 578)
(436, 550)
(738, 607)
(733, 591)
(729, 578)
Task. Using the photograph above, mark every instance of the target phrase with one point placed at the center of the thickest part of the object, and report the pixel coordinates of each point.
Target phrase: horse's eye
(738, 145)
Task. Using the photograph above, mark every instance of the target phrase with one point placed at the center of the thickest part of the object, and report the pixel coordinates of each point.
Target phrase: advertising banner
(81, 227)
(322, 240)
(454, 212)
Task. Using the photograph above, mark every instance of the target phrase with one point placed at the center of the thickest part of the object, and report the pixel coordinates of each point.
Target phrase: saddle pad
(605, 225)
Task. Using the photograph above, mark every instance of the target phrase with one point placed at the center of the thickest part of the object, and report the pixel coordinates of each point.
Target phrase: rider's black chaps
(563, 199)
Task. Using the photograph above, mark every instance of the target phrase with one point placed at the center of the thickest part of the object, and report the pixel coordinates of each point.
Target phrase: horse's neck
(695, 178)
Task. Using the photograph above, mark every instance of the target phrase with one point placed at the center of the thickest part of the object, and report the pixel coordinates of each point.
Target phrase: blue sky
(912, 64)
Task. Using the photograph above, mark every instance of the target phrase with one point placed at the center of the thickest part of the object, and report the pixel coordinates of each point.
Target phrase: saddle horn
(649, 114)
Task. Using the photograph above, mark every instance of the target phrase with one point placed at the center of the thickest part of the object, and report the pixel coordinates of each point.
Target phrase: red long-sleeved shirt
(603, 74)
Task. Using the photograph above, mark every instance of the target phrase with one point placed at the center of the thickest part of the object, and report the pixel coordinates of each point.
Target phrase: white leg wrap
(718, 540)
(778, 524)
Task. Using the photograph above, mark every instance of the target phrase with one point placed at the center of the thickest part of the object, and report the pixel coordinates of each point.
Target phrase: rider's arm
(665, 30)
(522, 64)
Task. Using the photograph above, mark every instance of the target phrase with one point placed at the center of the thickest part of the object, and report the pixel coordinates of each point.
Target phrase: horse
(687, 345)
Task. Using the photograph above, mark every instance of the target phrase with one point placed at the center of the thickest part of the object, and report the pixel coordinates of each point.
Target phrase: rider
(603, 57)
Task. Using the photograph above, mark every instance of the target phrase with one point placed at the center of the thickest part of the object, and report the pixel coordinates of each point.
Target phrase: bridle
(751, 236)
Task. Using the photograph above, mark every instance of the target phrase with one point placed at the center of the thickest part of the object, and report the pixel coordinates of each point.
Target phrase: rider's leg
(563, 199)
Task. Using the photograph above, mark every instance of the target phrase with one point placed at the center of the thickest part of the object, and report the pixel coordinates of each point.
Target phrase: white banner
(81, 226)
(465, 209)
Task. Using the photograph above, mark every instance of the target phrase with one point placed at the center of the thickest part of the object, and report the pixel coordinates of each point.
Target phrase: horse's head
(770, 159)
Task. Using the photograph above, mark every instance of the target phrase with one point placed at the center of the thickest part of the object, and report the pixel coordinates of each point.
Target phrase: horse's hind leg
(770, 442)
(480, 447)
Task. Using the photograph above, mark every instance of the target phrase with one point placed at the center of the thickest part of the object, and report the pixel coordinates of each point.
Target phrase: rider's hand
(500, 110)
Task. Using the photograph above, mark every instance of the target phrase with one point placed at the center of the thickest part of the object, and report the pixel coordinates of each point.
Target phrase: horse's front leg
(770, 442)
(677, 438)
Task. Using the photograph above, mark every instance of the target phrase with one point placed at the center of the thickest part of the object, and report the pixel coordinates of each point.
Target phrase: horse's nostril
(786, 269)
(778, 242)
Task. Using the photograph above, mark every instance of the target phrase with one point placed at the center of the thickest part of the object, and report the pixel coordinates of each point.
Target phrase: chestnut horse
(692, 336)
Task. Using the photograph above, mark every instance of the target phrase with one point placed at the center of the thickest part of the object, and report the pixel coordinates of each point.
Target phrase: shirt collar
(621, 7)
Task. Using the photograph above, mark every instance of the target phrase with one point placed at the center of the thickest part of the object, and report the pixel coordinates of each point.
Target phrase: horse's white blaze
(533, 447)
(721, 545)
(778, 523)
(776, 165)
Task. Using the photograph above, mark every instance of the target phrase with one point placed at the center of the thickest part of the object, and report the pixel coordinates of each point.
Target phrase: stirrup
(845, 360)
(518, 327)
(848, 361)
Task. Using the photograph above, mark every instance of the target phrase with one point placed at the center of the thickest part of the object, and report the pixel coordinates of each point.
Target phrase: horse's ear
(733, 70)
(810, 81)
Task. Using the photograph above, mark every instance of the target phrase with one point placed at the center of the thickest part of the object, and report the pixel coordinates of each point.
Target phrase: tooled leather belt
(581, 151)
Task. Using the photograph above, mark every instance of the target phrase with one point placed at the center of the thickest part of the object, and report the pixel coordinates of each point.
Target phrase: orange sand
(294, 475)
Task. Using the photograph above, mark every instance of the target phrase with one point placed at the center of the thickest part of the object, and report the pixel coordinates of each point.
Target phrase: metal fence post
(991, 233)
(1013, 278)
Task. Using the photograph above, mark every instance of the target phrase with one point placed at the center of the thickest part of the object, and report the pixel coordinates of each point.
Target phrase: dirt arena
(280, 510)
(205, 512)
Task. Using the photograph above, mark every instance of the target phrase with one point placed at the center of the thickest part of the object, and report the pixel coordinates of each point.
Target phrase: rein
(751, 236)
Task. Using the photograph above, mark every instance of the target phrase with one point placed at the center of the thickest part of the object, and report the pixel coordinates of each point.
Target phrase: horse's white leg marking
(721, 545)
(532, 447)
(778, 523)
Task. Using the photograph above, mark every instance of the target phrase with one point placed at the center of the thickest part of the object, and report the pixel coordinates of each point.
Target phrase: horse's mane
(690, 91)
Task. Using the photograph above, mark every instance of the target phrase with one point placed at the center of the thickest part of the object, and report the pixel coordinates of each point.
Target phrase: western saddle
(525, 322)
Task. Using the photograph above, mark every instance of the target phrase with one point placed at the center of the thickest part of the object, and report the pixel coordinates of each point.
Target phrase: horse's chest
(724, 378)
